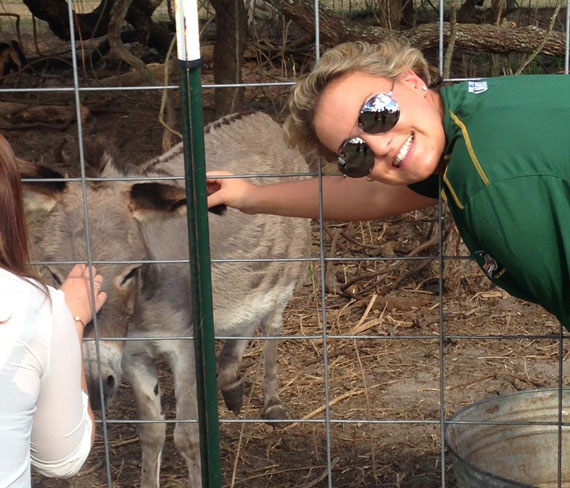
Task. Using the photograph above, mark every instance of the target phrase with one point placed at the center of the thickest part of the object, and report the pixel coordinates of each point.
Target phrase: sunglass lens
(380, 114)
(356, 159)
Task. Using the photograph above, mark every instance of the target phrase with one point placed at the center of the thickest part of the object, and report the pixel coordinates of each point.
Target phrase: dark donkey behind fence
(145, 221)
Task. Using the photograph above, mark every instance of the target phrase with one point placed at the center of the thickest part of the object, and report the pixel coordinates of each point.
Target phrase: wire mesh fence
(391, 330)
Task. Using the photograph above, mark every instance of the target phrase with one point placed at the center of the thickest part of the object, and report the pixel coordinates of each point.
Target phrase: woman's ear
(411, 79)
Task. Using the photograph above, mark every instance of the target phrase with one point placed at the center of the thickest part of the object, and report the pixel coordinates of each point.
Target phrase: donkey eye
(57, 281)
(129, 276)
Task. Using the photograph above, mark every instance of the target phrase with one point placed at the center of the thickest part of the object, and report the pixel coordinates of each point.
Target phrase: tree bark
(55, 13)
(95, 23)
(231, 42)
(118, 13)
(390, 13)
(502, 39)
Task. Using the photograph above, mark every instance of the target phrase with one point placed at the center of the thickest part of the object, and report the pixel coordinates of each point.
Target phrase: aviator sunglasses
(378, 115)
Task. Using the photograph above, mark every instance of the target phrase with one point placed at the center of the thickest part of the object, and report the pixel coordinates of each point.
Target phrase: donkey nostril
(109, 384)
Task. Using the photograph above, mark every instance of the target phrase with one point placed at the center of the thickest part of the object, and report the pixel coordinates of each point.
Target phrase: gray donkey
(145, 221)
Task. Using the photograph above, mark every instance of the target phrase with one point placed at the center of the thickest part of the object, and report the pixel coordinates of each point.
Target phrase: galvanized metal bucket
(511, 441)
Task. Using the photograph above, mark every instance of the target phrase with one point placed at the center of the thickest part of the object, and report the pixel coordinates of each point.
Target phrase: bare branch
(118, 14)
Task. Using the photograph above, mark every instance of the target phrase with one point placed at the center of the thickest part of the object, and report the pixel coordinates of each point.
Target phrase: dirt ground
(385, 379)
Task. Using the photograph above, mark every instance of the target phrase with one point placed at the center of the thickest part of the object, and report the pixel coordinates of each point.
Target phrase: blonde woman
(499, 145)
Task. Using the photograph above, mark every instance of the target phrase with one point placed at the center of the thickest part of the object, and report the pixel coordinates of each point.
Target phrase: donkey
(136, 223)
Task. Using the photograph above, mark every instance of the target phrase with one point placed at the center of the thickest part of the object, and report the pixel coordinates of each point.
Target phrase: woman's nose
(379, 144)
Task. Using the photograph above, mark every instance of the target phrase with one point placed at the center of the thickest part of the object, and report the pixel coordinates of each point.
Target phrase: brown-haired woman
(46, 417)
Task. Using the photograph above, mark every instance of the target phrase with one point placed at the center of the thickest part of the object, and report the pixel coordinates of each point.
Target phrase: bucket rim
(449, 422)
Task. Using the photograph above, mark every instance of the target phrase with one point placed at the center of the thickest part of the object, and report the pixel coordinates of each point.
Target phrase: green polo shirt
(507, 182)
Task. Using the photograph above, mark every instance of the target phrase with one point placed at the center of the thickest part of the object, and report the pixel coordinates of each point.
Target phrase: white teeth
(404, 151)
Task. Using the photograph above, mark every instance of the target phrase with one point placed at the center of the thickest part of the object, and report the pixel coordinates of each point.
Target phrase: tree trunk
(118, 13)
(95, 23)
(55, 13)
(409, 14)
(390, 13)
(231, 41)
(502, 39)
(468, 12)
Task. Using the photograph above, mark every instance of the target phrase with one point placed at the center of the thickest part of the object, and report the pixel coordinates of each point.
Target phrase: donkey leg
(229, 379)
(186, 434)
(140, 372)
(272, 407)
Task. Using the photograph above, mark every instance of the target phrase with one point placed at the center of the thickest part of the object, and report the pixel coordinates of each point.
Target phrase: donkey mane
(226, 120)
(240, 123)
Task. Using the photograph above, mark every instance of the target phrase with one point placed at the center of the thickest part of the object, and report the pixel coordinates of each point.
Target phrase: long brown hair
(14, 247)
(14, 240)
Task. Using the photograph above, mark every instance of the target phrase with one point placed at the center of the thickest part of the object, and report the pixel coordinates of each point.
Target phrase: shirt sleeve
(61, 432)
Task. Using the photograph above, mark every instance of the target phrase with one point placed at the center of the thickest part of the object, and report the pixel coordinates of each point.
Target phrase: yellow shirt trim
(452, 191)
(470, 150)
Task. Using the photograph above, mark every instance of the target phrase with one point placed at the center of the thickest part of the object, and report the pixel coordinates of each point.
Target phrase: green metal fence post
(198, 236)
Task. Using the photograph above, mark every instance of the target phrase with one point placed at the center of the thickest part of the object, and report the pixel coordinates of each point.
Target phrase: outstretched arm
(77, 292)
(343, 198)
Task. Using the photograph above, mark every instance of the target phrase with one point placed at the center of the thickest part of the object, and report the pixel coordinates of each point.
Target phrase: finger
(213, 186)
(213, 174)
(93, 271)
(77, 271)
(215, 199)
(101, 299)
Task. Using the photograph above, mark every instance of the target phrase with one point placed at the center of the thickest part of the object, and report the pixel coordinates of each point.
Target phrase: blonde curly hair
(389, 59)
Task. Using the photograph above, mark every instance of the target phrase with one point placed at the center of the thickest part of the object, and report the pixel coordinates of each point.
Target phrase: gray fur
(154, 299)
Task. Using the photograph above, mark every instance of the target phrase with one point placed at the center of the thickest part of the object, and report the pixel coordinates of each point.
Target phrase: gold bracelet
(77, 319)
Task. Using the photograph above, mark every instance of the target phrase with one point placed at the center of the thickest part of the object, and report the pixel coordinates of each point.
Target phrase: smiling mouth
(403, 151)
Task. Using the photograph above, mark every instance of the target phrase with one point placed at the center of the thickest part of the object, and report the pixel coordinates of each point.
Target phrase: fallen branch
(135, 78)
(500, 39)
(17, 116)
(322, 408)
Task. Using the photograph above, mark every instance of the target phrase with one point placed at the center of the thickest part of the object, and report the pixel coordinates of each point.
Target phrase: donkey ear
(40, 195)
(97, 151)
(152, 199)
(100, 153)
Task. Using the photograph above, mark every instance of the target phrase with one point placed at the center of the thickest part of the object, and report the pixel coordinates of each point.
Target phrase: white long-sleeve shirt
(43, 410)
